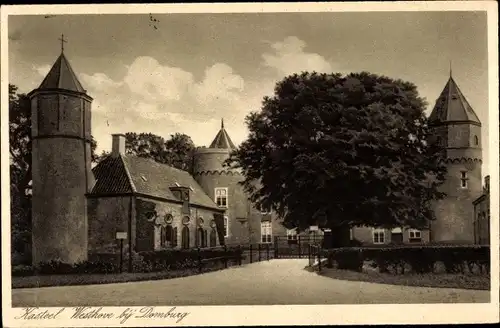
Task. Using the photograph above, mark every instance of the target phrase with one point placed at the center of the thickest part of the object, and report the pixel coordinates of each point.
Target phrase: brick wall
(108, 215)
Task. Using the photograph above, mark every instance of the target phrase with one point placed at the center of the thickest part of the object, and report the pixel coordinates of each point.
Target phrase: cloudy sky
(185, 72)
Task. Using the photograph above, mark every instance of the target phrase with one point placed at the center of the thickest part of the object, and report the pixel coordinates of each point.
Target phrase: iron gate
(299, 247)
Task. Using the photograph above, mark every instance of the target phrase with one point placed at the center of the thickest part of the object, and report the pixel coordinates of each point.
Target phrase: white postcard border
(271, 315)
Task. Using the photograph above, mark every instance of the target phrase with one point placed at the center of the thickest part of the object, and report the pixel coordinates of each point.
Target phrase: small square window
(378, 236)
(291, 234)
(415, 235)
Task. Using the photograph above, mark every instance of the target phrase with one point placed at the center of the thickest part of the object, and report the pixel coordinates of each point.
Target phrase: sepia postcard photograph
(250, 164)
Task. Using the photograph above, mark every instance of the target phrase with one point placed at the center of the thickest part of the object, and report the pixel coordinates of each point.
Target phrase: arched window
(163, 236)
(174, 237)
(169, 236)
(185, 237)
(213, 238)
(476, 140)
(200, 237)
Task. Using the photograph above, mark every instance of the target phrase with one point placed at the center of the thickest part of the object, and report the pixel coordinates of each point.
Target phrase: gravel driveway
(277, 282)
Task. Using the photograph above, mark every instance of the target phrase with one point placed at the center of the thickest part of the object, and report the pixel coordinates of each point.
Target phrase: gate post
(267, 251)
(319, 258)
(276, 255)
(251, 253)
(300, 249)
(258, 248)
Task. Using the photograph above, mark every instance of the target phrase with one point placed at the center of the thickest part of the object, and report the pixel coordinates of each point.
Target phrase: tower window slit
(463, 179)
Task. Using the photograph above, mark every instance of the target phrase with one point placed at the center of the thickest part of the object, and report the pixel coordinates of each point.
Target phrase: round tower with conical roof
(458, 129)
(222, 184)
(61, 166)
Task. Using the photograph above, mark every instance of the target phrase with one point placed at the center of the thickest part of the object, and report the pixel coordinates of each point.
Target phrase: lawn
(92, 279)
(440, 280)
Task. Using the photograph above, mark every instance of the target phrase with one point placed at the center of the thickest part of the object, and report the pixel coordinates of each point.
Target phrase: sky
(185, 72)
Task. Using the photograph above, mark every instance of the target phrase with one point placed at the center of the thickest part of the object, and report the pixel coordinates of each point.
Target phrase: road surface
(279, 282)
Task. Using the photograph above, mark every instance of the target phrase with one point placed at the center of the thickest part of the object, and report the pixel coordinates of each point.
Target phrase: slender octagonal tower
(61, 164)
(457, 127)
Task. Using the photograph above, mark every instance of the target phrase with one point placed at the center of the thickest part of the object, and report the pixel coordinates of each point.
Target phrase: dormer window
(454, 96)
(463, 179)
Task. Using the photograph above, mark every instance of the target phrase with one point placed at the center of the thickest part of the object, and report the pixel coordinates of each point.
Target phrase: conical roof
(61, 76)
(451, 106)
(222, 139)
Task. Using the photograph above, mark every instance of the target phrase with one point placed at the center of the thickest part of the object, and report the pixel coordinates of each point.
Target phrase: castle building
(79, 212)
(457, 128)
(482, 215)
(61, 171)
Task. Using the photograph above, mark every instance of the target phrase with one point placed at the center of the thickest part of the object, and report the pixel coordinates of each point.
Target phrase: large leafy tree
(20, 169)
(176, 151)
(342, 151)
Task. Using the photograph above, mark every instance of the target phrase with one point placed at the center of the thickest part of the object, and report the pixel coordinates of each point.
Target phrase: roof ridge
(156, 162)
(127, 171)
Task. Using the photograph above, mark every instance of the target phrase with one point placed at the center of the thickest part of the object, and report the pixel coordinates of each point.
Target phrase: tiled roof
(142, 175)
(62, 76)
(222, 139)
(111, 177)
(452, 106)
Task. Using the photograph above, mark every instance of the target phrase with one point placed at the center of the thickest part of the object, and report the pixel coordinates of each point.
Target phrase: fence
(286, 247)
(315, 256)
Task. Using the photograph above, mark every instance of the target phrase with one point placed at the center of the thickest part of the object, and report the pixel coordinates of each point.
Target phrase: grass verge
(437, 280)
(94, 279)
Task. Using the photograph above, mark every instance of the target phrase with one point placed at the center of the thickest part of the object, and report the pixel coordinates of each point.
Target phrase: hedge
(153, 261)
(419, 259)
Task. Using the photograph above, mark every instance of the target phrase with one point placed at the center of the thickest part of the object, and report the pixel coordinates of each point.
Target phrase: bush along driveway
(443, 266)
(157, 265)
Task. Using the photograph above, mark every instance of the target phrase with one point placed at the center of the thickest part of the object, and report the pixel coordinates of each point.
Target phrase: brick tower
(458, 129)
(61, 164)
(222, 185)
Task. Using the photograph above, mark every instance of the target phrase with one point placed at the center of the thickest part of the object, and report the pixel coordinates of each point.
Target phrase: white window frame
(291, 234)
(226, 226)
(219, 195)
(266, 229)
(376, 235)
(464, 179)
(417, 234)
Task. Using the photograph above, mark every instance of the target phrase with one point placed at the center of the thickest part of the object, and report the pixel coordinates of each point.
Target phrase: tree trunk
(340, 236)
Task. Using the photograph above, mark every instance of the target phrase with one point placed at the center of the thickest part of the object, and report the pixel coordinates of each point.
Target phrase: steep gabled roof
(127, 174)
(222, 139)
(451, 106)
(61, 76)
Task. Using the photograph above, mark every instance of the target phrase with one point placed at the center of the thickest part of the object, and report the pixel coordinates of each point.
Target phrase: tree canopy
(341, 151)
(176, 151)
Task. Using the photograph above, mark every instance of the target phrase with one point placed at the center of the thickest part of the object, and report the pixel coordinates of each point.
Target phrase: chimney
(118, 145)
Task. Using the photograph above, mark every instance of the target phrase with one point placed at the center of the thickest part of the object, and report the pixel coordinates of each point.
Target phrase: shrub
(94, 267)
(182, 259)
(348, 259)
(54, 267)
(22, 270)
(421, 258)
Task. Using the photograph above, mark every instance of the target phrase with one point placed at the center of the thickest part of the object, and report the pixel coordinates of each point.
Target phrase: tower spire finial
(450, 69)
(222, 123)
(62, 42)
